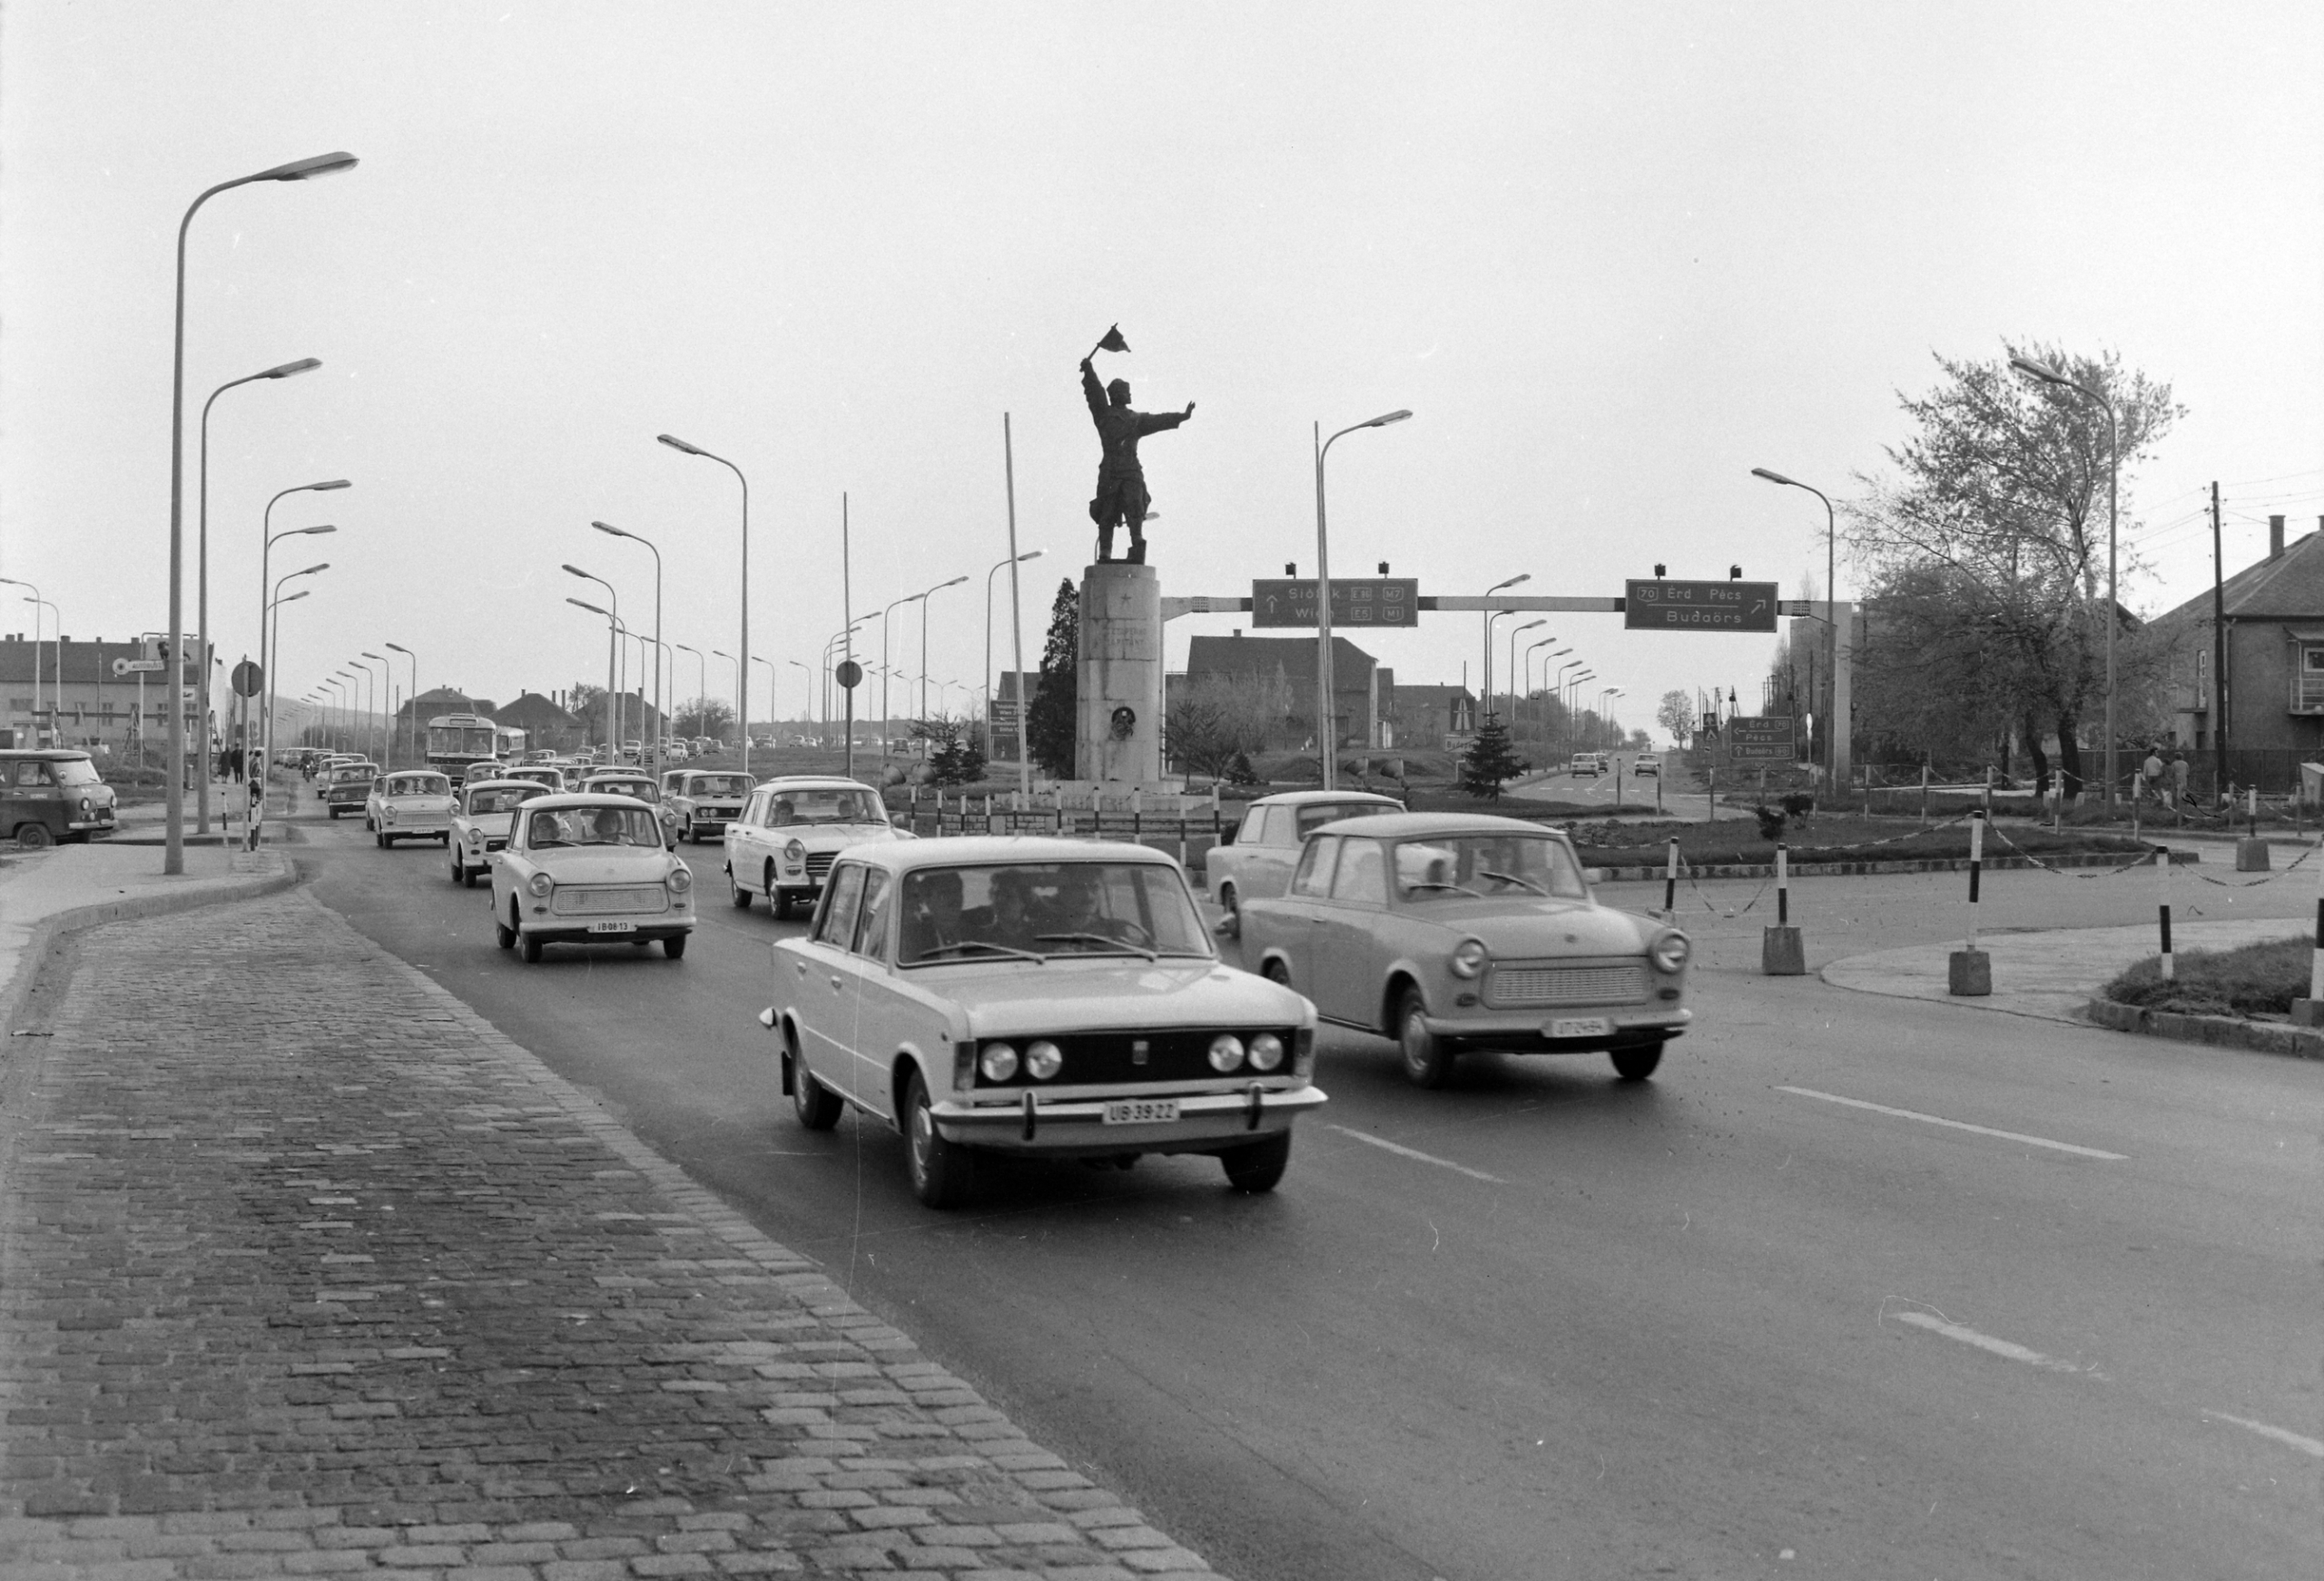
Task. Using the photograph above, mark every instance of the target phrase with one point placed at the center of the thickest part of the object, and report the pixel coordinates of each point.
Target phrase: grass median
(1835, 837)
(2254, 981)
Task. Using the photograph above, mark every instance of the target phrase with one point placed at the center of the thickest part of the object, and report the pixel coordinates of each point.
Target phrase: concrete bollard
(2251, 855)
(1670, 883)
(1969, 971)
(1781, 954)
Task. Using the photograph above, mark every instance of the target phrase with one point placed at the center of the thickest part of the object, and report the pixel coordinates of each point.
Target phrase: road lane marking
(1421, 1157)
(2087, 1152)
(2281, 1435)
(1985, 1342)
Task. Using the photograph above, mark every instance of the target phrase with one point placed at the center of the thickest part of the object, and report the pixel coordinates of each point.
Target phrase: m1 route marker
(1660, 606)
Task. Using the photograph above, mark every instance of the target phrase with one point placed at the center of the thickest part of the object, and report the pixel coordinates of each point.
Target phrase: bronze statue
(1122, 482)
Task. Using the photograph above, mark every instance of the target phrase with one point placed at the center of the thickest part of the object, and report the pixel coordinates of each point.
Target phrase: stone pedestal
(1118, 724)
(2307, 1013)
(1969, 974)
(1781, 953)
(2250, 856)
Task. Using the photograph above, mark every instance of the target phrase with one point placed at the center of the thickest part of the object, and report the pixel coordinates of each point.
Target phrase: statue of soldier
(1121, 495)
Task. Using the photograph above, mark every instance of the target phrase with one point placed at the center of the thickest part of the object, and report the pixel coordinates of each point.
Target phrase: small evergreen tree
(1049, 721)
(1488, 761)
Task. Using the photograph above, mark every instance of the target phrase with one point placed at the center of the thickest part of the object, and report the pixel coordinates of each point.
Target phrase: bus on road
(457, 740)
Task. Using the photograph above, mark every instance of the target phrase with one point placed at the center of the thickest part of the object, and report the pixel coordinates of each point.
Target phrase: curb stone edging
(2216, 1031)
(1875, 867)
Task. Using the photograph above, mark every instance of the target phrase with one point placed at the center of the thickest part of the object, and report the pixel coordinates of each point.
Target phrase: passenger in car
(935, 919)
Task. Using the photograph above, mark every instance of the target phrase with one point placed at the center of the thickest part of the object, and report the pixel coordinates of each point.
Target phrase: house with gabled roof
(2269, 698)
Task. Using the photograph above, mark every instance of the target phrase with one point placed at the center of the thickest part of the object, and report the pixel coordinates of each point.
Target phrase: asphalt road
(1857, 1286)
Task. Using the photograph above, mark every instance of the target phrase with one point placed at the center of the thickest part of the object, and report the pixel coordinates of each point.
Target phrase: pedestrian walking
(2150, 773)
(2178, 771)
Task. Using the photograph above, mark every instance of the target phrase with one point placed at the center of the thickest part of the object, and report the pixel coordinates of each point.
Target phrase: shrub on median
(2254, 980)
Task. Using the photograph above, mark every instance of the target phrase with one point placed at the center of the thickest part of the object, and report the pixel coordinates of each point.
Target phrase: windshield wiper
(930, 954)
(1512, 878)
(1455, 888)
(1112, 944)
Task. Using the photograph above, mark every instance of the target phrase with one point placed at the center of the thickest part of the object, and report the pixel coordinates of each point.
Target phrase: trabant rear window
(1454, 866)
(1046, 909)
(1315, 815)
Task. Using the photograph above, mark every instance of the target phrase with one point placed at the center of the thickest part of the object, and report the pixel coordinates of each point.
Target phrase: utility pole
(2219, 655)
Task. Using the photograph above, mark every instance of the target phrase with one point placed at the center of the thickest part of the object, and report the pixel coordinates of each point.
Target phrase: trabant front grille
(1516, 987)
(1144, 1056)
(582, 900)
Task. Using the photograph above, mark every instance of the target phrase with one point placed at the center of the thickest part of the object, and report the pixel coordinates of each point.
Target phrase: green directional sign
(1660, 606)
(1761, 738)
(1355, 601)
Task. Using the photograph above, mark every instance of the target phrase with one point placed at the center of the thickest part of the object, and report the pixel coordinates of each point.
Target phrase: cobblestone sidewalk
(305, 1270)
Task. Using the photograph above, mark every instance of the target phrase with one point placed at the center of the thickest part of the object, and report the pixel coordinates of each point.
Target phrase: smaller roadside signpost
(848, 674)
(1760, 738)
(1660, 606)
(1355, 601)
(247, 678)
(139, 667)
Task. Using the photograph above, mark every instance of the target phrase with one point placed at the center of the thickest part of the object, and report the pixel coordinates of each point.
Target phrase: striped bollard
(1670, 883)
(1781, 955)
(1969, 973)
(2162, 861)
(2309, 1012)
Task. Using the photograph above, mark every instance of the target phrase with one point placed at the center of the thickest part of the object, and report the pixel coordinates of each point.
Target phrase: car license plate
(612, 927)
(1142, 1112)
(1580, 1026)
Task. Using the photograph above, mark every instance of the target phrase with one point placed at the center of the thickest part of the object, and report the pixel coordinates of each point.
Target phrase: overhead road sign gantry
(1654, 605)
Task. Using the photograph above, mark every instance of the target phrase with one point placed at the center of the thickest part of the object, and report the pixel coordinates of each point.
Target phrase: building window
(2307, 681)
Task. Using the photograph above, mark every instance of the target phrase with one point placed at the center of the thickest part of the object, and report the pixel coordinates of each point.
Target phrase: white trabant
(1039, 996)
(481, 822)
(547, 774)
(1266, 846)
(409, 804)
(590, 870)
(783, 843)
(700, 801)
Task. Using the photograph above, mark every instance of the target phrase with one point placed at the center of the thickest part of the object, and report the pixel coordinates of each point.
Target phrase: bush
(1770, 822)
(2260, 979)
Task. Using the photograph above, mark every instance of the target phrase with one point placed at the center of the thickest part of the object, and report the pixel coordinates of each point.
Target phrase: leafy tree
(955, 756)
(1990, 542)
(1049, 723)
(703, 717)
(1222, 717)
(1676, 714)
(1488, 761)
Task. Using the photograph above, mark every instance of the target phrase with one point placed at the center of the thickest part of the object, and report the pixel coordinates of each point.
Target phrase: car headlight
(680, 880)
(540, 884)
(794, 853)
(1266, 1052)
(1042, 1059)
(476, 838)
(85, 803)
(999, 1062)
(387, 814)
(1669, 952)
(1469, 957)
(1225, 1052)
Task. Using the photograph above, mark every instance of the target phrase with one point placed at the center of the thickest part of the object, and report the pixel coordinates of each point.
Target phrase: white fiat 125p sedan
(1039, 996)
(590, 870)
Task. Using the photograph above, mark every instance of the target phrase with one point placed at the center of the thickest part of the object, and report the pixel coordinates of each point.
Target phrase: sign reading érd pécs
(1658, 606)
(1355, 601)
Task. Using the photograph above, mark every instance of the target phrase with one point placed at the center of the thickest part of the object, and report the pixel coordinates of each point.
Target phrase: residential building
(2271, 701)
(81, 699)
(1278, 674)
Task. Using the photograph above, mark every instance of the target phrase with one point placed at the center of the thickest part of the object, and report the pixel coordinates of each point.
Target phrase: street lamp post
(271, 638)
(269, 631)
(1603, 720)
(1514, 696)
(265, 569)
(613, 657)
(1326, 679)
(662, 720)
(1490, 616)
(1525, 681)
(742, 670)
(173, 849)
(201, 550)
(2049, 375)
(886, 712)
(378, 721)
(1831, 617)
(923, 640)
(998, 565)
(400, 647)
(700, 683)
(807, 679)
(36, 600)
(387, 685)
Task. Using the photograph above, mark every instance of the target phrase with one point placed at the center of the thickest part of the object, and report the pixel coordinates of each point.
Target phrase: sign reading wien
(1355, 601)
(1658, 605)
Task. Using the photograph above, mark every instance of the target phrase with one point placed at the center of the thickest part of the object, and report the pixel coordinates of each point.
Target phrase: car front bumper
(565, 930)
(431, 827)
(1207, 1123)
(1528, 1030)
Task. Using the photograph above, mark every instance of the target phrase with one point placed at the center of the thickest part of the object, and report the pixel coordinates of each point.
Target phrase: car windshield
(824, 806)
(356, 771)
(1453, 866)
(503, 798)
(721, 785)
(594, 826)
(419, 785)
(77, 771)
(1315, 815)
(1038, 910)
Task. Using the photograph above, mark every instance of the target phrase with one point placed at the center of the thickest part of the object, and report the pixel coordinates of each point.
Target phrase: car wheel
(675, 946)
(1277, 973)
(459, 870)
(505, 933)
(528, 946)
(445, 839)
(940, 1170)
(380, 841)
(1427, 1061)
(1257, 1166)
(1635, 1065)
(816, 1106)
(741, 897)
(1229, 900)
(34, 837)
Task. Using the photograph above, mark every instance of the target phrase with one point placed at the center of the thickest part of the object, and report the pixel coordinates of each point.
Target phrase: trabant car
(52, 794)
(1036, 997)
(1647, 765)
(540, 773)
(482, 768)
(1587, 765)
(701, 801)
(1266, 846)
(347, 788)
(1449, 931)
(409, 804)
(481, 823)
(624, 783)
(783, 843)
(589, 869)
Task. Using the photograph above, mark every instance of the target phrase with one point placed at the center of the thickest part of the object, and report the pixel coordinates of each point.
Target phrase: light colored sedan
(409, 804)
(590, 870)
(1266, 847)
(701, 801)
(1449, 931)
(1030, 995)
(482, 821)
(783, 842)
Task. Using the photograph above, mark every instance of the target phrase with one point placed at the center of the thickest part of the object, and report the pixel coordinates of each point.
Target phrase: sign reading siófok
(1660, 606)
(1355, 601)
(1760, 738)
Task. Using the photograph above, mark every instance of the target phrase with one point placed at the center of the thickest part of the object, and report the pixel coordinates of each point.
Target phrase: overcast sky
(1612, 256)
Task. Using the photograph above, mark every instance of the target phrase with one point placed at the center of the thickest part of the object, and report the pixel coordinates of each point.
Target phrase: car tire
(1257, 1166)
(816, 1106)
(675, 946)
(528, 946)
(445, 839)
(1277, 973)
(736, 893)
(939, 1170)
(380, 840)
(1427, 1061)
(505, 933)
(1635, 1065)
(34, 837)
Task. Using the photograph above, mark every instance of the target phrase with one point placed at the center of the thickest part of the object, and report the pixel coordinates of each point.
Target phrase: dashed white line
(1985, 1342)
(2087, 1152)
(1421, 1157)
(2281, 1435)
